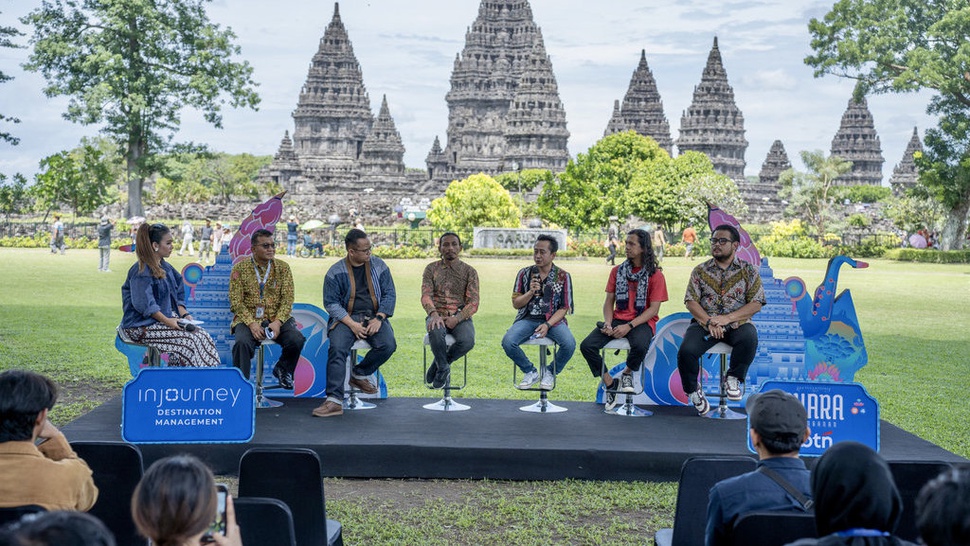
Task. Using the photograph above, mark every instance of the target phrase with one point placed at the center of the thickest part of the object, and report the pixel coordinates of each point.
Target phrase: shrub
(790, 240)
(928, 256)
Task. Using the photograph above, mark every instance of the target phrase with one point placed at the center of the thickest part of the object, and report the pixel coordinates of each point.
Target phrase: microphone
(188, 327)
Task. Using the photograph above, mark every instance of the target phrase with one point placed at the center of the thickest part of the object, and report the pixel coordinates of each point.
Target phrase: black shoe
(432, 371)
(609, 398)
(284, 377)
(441, 378)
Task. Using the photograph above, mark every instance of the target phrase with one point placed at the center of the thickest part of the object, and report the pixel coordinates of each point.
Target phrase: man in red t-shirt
(633, 295)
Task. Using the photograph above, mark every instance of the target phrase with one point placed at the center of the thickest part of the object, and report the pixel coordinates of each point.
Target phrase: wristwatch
(379, 318)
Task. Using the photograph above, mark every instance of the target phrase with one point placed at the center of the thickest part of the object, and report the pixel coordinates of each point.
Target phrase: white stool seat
(539, 341)
(622, 344)
(449, 340)
(720, 349)
(360, 344)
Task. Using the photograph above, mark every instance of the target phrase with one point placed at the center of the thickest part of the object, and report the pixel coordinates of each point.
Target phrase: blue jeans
(521, 330)
(291, 245)
(382, 345)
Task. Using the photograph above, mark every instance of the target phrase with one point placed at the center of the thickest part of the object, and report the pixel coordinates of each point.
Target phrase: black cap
(776, 412)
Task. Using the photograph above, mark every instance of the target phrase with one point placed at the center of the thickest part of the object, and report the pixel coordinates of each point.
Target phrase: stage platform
(493, 440)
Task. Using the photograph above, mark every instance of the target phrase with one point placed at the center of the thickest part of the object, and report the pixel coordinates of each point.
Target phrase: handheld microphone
(188, 327)
(727, 328)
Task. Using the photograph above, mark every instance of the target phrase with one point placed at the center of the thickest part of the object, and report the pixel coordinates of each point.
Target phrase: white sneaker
(700, 402)
(548, 381)
(732, 388)
(529, 379)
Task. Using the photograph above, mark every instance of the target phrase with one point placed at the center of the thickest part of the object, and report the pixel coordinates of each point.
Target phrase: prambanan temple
(505, 114)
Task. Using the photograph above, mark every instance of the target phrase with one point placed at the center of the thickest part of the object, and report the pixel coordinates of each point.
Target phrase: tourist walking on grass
(186, 238)
(104, 243)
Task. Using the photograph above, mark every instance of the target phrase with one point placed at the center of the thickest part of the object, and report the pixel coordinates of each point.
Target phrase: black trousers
(744, 345)
(639, 338)
(290, 340)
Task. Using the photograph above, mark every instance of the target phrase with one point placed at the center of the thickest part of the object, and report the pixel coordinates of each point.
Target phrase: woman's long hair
(174, 501)
(147, 256)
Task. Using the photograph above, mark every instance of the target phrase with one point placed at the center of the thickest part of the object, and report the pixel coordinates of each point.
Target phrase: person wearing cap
(291, 235)
(779, 427)
(104, 243)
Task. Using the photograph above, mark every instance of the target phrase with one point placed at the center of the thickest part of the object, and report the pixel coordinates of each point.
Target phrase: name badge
(260, 310)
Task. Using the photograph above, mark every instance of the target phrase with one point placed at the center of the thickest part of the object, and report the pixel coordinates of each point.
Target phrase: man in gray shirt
(104, 243)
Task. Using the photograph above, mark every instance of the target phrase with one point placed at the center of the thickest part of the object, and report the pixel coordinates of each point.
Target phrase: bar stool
(446, 403)
(351, 401)
(262, 401)
(543, 405)
(153, 357)
(722, 411)
(628, 409)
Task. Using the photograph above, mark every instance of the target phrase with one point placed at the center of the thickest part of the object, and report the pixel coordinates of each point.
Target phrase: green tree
(133, 66)
(14, 194)
(902, 46)
(6, 41)
(812, 195)
(526, 180)
(78, 179)
(913, 211)
(595, 185)
(475, 201)
(682, 190)
(629, 174)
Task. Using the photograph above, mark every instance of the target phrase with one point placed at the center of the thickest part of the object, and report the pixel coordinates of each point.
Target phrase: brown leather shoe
(362, 385)
(328, 409)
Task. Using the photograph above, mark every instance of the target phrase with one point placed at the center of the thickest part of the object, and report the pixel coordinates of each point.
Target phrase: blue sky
(406, 51)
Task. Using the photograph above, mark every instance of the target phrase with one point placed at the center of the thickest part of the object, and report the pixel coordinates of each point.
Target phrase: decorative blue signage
(836, 412)
(188, 406)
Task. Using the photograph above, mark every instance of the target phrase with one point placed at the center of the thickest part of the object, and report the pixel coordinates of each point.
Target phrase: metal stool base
(263, 402)
(629, 409)
(543, 406)
(353, 403)
(723, 412)
(446, 404)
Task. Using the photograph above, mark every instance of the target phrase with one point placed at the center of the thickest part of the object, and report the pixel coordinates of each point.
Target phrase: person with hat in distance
(779, 427)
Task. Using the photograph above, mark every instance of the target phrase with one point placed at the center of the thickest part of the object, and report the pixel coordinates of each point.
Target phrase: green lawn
(58, 314)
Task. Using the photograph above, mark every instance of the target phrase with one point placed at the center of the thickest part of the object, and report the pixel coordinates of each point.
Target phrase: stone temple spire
(535, 126)
(713, 124)
(642, 109)
(616, 121)
(857, 141)
(499, 47)
(382, 155)
(761, 197)
(906, 174)
(333, 115)
(285, 169)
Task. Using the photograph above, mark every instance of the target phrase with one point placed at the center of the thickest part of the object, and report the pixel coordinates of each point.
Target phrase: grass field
(58, 315)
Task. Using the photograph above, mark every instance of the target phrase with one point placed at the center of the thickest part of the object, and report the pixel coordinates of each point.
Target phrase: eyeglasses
(266, 245)
(362, 250)
(720, 240)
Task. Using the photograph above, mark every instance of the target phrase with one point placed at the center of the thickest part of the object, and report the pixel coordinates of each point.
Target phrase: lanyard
(262, 280)
(860, 532)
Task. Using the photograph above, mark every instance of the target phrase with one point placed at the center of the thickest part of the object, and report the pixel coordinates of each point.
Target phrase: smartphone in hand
(218, 525)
